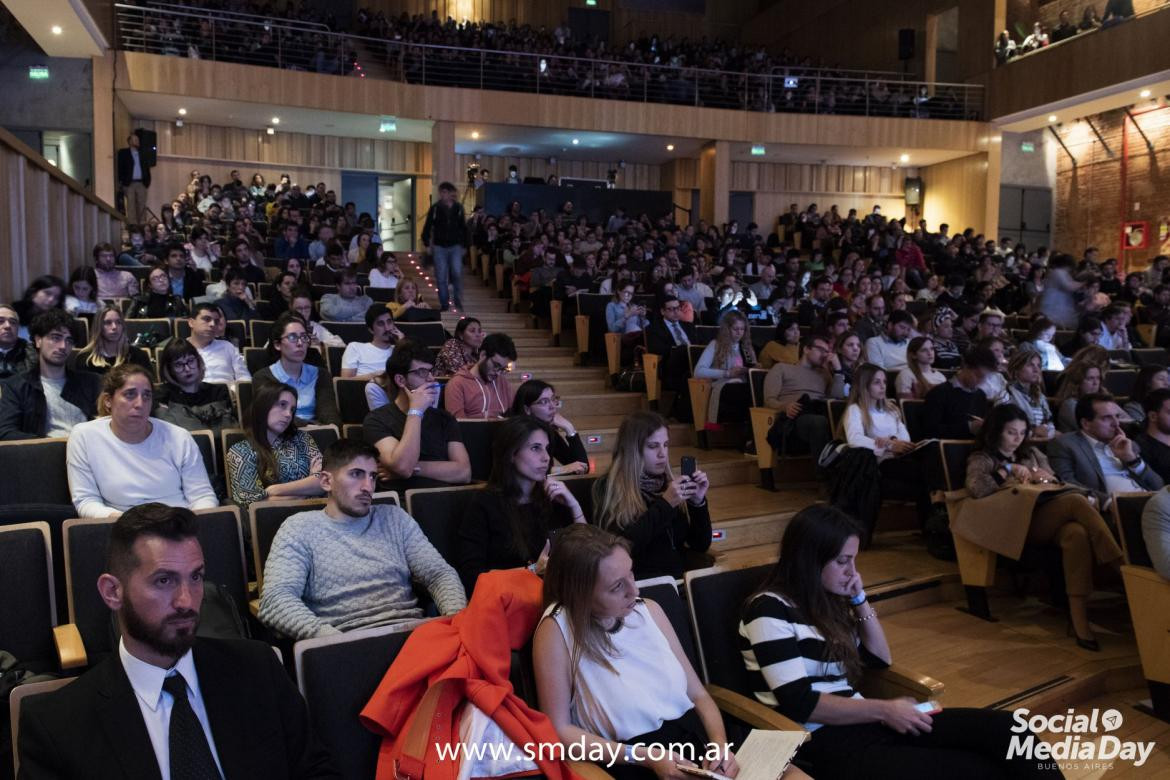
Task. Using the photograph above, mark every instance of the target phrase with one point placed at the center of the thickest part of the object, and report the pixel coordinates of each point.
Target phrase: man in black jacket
(16, 354)
(668, 337)
(50, 399)
(955, 409)
(186, 280)
(134, 178)
(445, 232)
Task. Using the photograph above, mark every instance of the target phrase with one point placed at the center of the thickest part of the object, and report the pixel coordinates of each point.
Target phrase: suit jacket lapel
(1088, 450)
(225, 712)
(121, 719)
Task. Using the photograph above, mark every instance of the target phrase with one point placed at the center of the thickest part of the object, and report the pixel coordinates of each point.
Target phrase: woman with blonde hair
(919, 376)
(109, 345)
(725, 361)
(1026, 390)
(665, 517)
(406, 297)
(1081, 377)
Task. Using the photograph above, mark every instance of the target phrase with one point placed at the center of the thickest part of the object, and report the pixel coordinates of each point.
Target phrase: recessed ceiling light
(182, 112)
(56, 29)
(270, 130)
(474, 134)
(1051, 118)
(1144, 93)
(905, 158)
(670, 147)
(576, 141)
(276, 120)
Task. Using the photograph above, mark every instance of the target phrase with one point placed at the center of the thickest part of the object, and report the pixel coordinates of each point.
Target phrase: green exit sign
(590, 2)
(1027, 146)
(38, 72)
(758, 151)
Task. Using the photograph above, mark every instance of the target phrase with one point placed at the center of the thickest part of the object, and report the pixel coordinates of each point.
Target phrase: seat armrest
(750, 711)
(70, 648)
(897, 681)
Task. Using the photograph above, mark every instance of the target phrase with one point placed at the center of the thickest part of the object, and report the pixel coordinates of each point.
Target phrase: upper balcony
(244, 39)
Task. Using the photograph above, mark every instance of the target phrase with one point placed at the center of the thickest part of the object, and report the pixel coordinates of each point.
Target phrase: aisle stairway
(1023, 660)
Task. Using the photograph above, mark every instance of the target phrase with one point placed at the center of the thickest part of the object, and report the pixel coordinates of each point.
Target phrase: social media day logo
(1074, 740)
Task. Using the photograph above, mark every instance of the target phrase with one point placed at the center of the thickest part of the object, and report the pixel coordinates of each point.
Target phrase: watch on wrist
(1131, 463)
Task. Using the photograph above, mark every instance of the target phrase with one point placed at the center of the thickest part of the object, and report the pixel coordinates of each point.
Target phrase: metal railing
(276, 43)
(1019, 55)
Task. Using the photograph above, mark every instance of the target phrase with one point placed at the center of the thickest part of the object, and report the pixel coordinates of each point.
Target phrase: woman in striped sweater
(807, 634)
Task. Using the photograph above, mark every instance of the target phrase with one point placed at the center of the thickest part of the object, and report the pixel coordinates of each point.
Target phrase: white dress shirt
(223, 363)
(155, 703)
(1117, 476)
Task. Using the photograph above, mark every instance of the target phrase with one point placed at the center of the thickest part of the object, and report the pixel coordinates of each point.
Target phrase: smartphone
(438, 394)
(688, 465)
(929, 707)
(700, 772)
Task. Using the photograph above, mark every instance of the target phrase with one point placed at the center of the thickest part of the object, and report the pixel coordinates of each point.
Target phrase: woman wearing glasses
(539, 400)
(288, 344)
(184, 399)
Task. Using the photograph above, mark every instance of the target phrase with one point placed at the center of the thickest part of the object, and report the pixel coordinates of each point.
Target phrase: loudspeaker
(906, 44)
(147, 146)
(913, 191)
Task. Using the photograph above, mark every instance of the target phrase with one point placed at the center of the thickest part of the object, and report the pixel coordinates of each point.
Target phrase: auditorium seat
(912, 411)
(207, 444)
(243, 396)
(256, 358)
(429, 334)
(333, 356)
(28, 610)
(590, 326)
(351, 399)
(976, 564)
(715, 598)
(1119, 383)
(581, 486)
(159, 328)
(477, 438)
(257, 333)
(348, 331)
(21, 694)
(1148, 594)
(1151, 356)
(438, 511)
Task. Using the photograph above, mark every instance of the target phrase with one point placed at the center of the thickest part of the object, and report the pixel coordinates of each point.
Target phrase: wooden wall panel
(955, 192)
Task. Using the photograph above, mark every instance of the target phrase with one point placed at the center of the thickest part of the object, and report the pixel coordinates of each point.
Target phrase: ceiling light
(270, 130)
(576, 141)
(474, 134)
(178, 123)
(276, 120)
(1051, 118)
(56, 29)
(670, 147)
(1144, 93)
(182, 112)
(905, 158)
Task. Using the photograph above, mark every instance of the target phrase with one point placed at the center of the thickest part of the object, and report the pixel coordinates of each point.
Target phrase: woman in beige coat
(1008, 480)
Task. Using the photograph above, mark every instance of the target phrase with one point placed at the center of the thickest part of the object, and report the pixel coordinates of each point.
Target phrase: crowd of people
(427, 49)
(1007, 48)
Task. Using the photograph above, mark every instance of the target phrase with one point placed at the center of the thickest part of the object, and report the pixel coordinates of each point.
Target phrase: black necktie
(679, 337)
(191, 757)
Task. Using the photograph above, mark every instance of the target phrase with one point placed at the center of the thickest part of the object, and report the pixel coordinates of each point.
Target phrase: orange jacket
(474, 646)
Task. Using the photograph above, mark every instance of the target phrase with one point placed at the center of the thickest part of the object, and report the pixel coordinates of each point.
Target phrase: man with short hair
(112, 282)
(134, 178)
(135, 254)
(799, 391)
(350, 565)
(51, 398)
(336, 261)
(766, 284)
(16, 354)
(345, 305)
(186, 281)
(812, 310)
(242, 261)
(168, 704)
(236, 303)
(481, 390)
(222, 362)
(1114, 335)
(445, 233)
(690, 291)
(367, 359)
(1099, 456)
(290, 244)
(1154, 440)
(990, 324)
(418, 444)
(889, 349)
(317, 248)
(873, 324)
(955, 409)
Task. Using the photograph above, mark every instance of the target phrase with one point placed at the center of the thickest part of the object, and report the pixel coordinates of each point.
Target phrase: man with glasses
(481, 391)
(800, 392)
(50, 399)
(418, 444)
(668, 337)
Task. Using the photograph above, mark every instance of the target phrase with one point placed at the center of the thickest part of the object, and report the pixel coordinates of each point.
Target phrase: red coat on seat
(475, 647)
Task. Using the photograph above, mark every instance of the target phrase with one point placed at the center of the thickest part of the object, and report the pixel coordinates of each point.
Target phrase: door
(742, 208)
(396, 212)
(1025, 215)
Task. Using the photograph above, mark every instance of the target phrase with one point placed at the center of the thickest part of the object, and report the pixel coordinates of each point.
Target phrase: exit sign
(1027, 146)
(758, 151)
(38, 72)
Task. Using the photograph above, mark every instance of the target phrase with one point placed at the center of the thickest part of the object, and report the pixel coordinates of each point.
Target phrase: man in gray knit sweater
(350, 565)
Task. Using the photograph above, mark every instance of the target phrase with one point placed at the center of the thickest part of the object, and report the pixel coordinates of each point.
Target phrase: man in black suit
(668, 337)
(168, 705)
(134, 178)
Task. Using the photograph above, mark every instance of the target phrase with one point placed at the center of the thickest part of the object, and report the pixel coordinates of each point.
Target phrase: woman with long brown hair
(665, 517)
(808, 632)
(725, 361)
(919, 376)
(1081, 377)
(109, 346)
(1026, 390)
(275, 460)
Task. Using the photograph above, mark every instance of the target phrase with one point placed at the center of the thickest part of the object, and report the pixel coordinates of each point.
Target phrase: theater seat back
(1127, 514)
(716, 600)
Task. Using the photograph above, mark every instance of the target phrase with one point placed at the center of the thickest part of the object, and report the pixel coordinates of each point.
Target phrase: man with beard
(168, 704)
(481, 391)
(50, 399)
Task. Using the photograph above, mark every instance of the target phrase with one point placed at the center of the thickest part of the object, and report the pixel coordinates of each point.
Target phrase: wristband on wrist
(628, 755)
(415, 413)
(858, 600)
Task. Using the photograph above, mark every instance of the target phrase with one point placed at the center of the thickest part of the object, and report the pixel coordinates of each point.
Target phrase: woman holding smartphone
(509, 522)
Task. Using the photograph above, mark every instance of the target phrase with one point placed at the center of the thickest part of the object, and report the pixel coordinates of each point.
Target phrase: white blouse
(883, 424)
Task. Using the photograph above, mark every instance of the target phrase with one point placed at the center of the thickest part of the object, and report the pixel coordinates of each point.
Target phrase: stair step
(723, 467)
(614, 403)
(599, 432)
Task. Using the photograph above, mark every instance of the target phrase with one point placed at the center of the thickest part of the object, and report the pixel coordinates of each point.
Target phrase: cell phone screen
(688, 465)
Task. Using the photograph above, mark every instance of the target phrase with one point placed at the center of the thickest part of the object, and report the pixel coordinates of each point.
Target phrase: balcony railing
(296, 46)
(1019, 55)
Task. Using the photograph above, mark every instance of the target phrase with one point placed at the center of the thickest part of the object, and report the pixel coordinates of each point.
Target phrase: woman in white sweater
(126, 458)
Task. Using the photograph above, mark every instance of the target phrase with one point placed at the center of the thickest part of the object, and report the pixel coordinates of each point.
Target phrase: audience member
(125, 458)
(843, 360)
(481, 391)
(955, 409)
(669, 337)
(350, 565)
(623, 315)
(81, 291)
(1149, 379)
(445, 234)
(1156, 531)
(1026, 390)
(185, 399)
(154, 584)
(889, 349)
(418, 444)
(726, 361)
(800, 392)
(236, 303)
(806, 636)
(185, 279)
(919, 376)
(288, 346)
(345, 305)
(112, 282)
(222, 362)
(1099, 456)
(874, 323)
(511, 522)
(109, 345)
(301, 304)
(1154, 440)
(50, 398)
(367, 359)
(666, 518)
(46, 292)
(538, 400)
(158, 301)
(386, 274)
(16, 354)
(785, 344)
(1040, 336)
(462, 350)
(408, 305)
(275, 460)
(1081, 378)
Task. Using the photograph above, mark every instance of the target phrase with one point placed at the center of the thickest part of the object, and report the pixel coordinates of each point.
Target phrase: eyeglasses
(494, 366)
(422, 373)
(298, 338)
(185, 363)
(553, 402)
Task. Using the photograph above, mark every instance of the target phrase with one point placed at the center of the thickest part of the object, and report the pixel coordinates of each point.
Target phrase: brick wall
(1090, 206)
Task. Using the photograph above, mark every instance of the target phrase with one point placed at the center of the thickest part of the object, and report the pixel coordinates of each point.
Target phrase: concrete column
(104, 141)
(994, 166)
(715, 182)
(443, 156)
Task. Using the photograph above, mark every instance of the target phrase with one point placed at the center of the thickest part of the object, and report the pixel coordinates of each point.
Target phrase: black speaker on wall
(906, 44)
(147, 146)
(913, 191)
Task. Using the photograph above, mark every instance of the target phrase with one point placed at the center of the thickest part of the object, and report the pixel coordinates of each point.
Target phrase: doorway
(396, 212)
(1025, 215)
